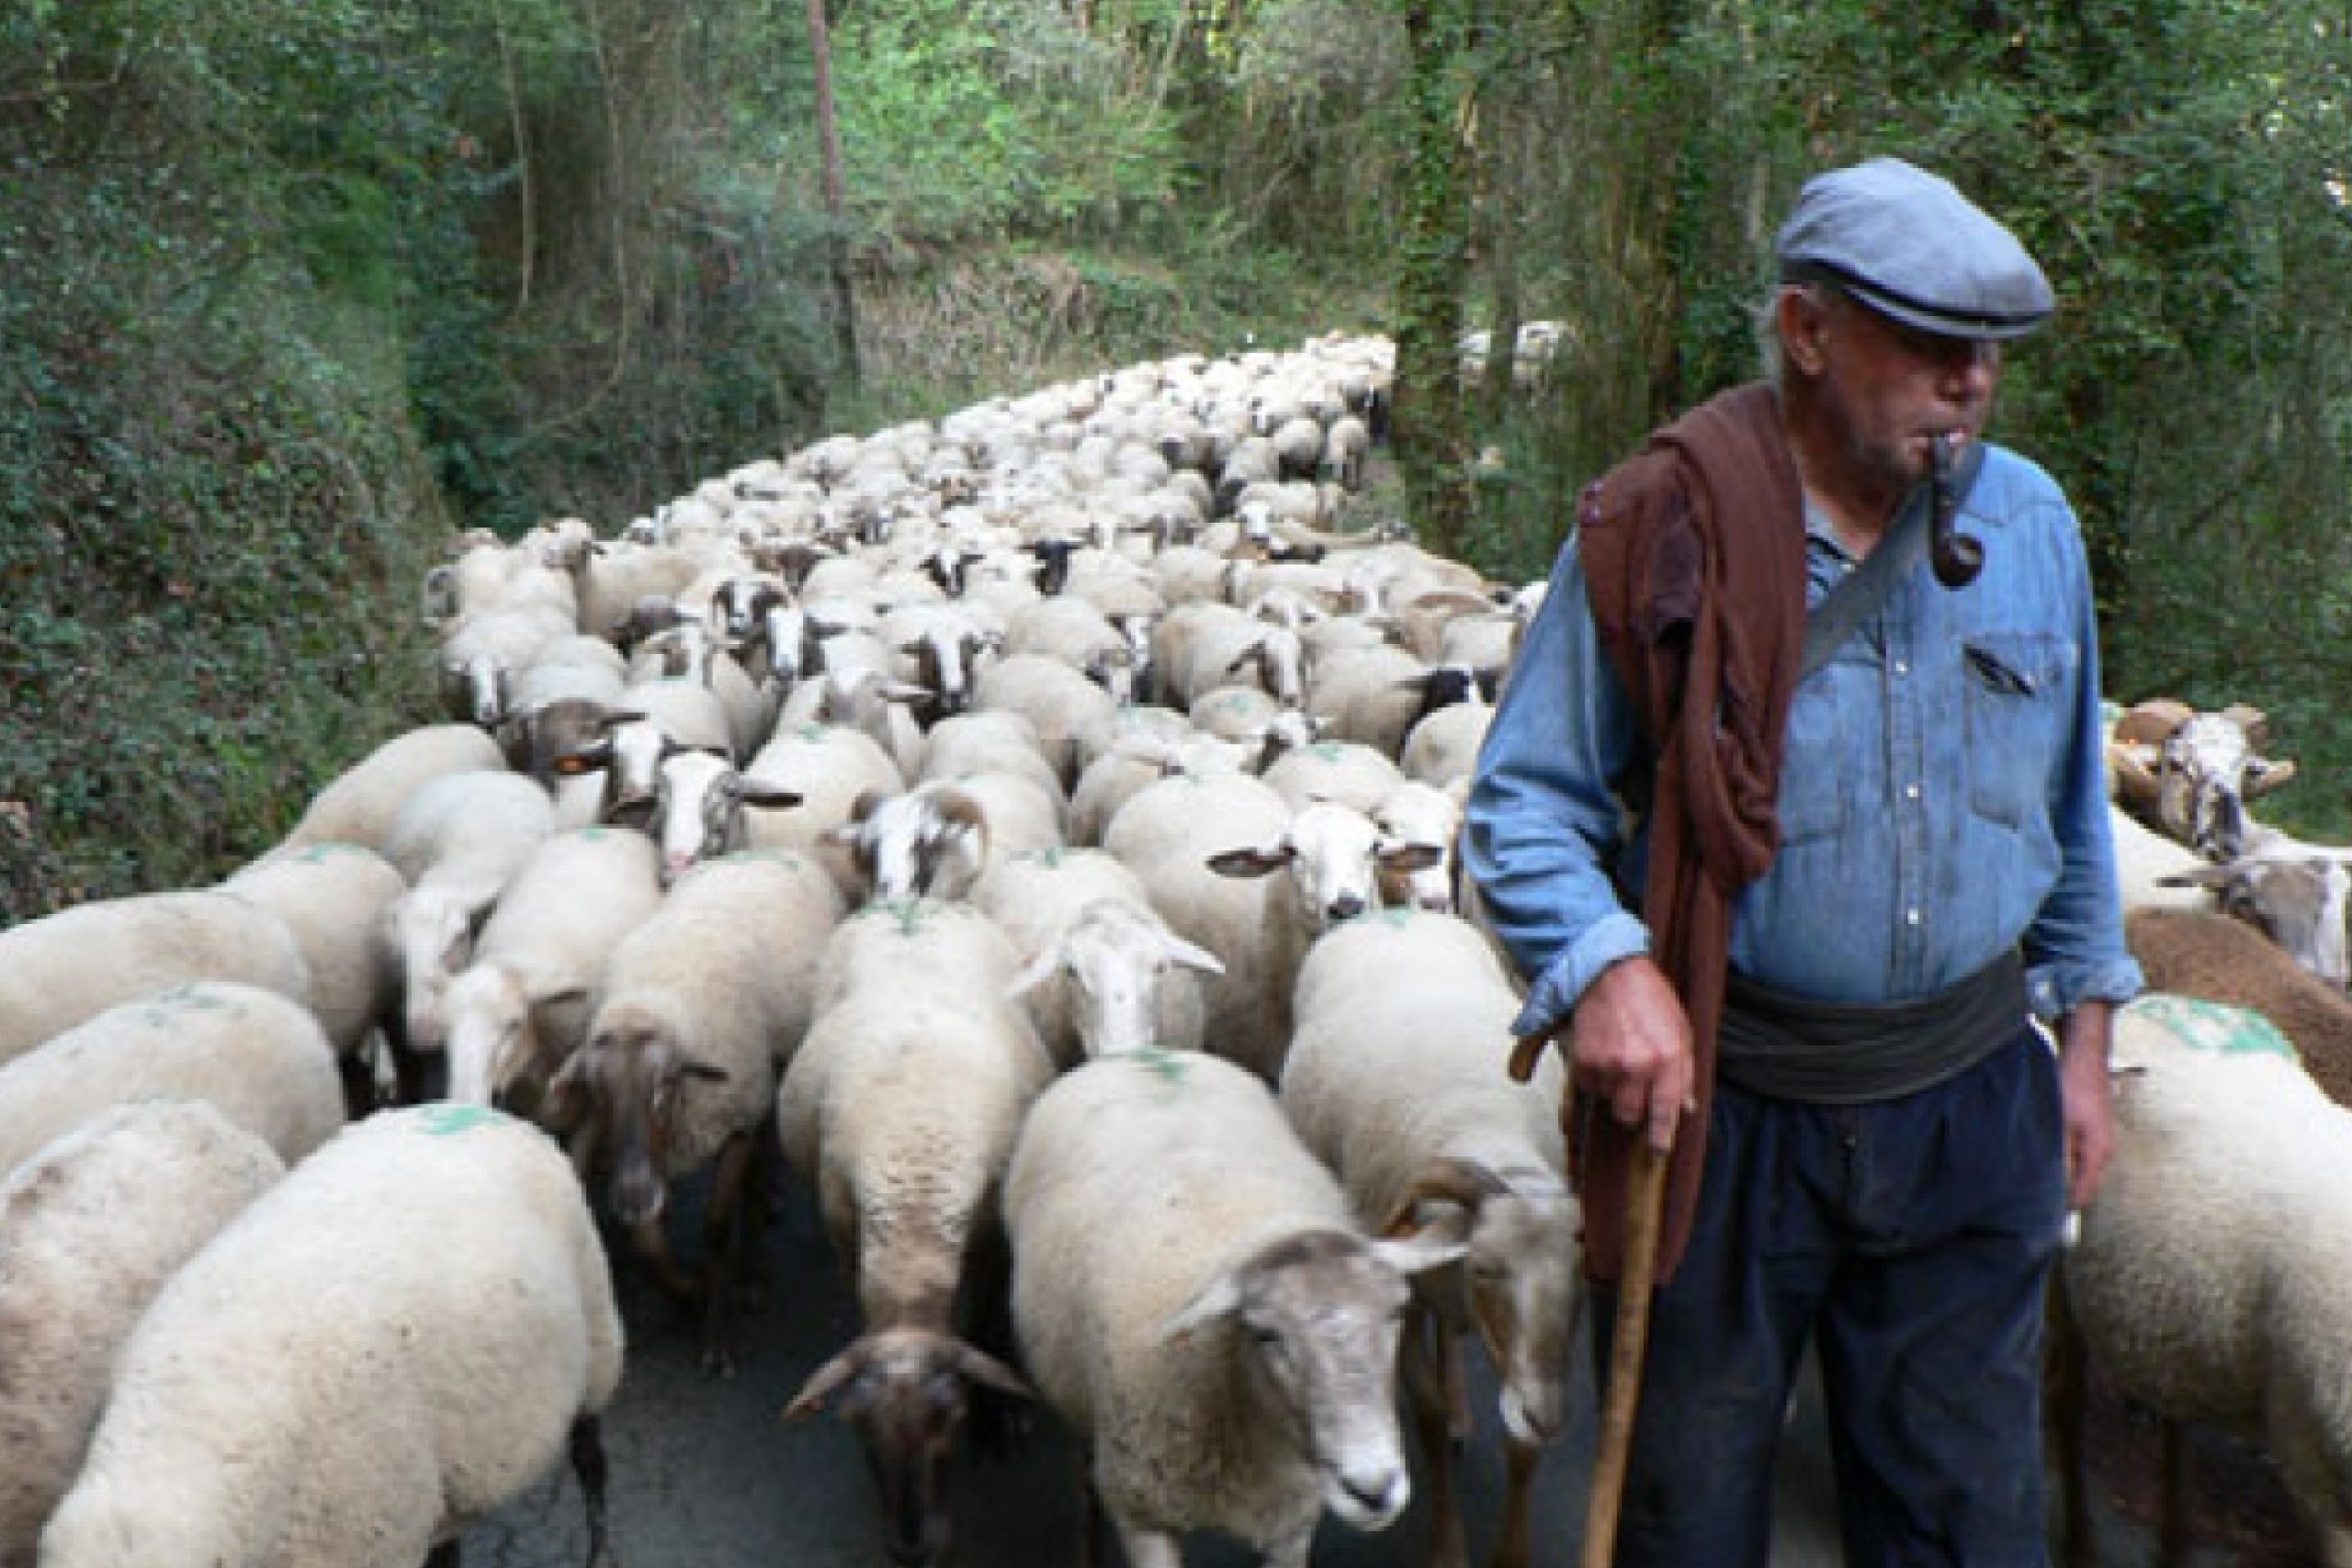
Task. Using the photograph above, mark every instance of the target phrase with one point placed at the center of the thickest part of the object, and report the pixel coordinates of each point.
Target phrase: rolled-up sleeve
(1543, 824)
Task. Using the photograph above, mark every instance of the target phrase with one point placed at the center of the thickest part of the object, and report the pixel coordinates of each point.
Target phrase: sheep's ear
(977, 1366)
(770, 796)
(826, 1381)
(1215, 1301)
(904, 691)
(1035, 973)
(2262, 776)
(690, 1068)
(1252, 862)
(2213, 878)
(564, 1104)
(1420, 1252)
(1179, 951)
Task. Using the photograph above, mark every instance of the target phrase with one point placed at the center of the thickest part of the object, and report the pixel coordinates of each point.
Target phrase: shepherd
(1793, 818)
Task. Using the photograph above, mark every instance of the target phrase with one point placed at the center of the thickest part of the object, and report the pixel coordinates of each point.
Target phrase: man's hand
(2088, 1093)
(1629, 1046)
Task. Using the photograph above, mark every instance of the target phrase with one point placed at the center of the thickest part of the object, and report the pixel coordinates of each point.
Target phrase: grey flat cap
(1906, 244)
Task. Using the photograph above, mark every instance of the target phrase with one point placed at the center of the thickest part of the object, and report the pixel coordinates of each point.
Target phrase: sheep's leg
(722, 1245)
(2064, 1379)
(1514, 1541)
(588, 1463)
(1429, 1373)
(652, 1240)
(2172, 1529)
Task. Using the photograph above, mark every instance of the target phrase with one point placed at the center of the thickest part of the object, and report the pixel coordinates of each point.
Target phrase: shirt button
(1903, 667)
(1910, 792)
(1910, 916)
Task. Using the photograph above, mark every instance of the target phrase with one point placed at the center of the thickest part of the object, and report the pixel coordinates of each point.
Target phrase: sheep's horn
(2154, 720)
(2134, 781)
(2252, 720)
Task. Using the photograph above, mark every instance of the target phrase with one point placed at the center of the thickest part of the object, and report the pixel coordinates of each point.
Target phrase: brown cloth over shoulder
(1695, 553)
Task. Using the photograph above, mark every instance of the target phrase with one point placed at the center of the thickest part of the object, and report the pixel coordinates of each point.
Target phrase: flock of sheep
(1034, 829)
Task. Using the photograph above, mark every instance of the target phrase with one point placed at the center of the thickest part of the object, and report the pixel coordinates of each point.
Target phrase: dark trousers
(1911, 1239)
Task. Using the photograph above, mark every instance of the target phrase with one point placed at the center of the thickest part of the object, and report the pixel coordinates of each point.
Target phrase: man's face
(1892, 388)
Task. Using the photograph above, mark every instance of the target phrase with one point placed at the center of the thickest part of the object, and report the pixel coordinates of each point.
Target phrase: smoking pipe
(1957, 559)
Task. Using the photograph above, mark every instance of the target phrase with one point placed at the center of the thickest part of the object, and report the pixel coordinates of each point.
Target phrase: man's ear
(1803, 320)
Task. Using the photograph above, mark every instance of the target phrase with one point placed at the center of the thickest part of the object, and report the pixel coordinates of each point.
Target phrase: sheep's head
(906, 1391)
(1121, 959)
(698, 804)
(931, 842)
(1334, 856)
(2302, 901)
(619, 1093)
(1520, 1278)
(2194, 773)
(1312, 1320)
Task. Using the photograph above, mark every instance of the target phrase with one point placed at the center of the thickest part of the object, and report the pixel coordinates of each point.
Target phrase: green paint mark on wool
(444, 1120)
(2211, 1026)
(1162, 1063)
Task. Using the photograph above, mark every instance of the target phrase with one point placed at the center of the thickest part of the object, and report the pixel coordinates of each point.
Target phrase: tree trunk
(821, 47)
(1431, 438)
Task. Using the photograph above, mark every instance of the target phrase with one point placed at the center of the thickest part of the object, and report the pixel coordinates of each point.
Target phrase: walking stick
(1644, 1204)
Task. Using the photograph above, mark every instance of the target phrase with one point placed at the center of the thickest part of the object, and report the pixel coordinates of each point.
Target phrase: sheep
(457, 841)
(1427, 818)
(1101, 970)
(2213, 1270)
(830, 768)
(2299, 894)
(900, 1108)
(391, 1342)
(1376, 695)
(1075, 719)
(1342, 772)
(1139, 760)
(2192, 774)
(63, 969)
(514, 1015)
(698, 809)
(655, 718)
(698, 1008)
(1396, 1078)
(358, 806)
(90, 1227)
(935, 839)
(1186, 839)
(1443, 745)
(2219, 959)
(336, 900)
(999, 741)
(1193, 1297)
(261, 1060)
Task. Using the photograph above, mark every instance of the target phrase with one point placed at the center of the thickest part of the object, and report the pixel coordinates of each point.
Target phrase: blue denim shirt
(1943, 797)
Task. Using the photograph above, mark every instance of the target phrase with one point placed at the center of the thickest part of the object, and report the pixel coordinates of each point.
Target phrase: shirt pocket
(1813, 783)
(2017, 691)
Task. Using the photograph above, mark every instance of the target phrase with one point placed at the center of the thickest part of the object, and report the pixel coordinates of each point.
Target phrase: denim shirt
(1943, 798)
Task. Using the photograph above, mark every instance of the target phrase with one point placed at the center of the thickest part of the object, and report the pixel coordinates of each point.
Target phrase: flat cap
(1906, 244)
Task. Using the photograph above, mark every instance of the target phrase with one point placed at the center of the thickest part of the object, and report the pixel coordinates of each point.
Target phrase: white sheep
(1196, 843)
(358, 804)
(1344, 772)
(1193, 1298)
(63, 969)
(394, 1341)
(1101, 970)
(1138, 759)
(337, 900)
(1442, 745)
(457, 841)
(900, 1109)
(698, 1008)
(512, 1016)
(2212, 1280)
(1075, 719)
(261, 1060)
(90, 1227)
(1397, 1078)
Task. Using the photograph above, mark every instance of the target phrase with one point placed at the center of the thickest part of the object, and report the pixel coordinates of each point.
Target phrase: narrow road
(705, 1474)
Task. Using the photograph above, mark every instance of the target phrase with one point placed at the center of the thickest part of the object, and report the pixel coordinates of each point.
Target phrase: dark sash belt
(1846, 1053)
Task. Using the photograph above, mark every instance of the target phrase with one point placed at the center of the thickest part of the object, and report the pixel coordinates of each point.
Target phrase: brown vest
(1694, 554)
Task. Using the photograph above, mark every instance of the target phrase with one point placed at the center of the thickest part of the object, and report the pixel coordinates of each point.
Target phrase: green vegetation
(291, 288)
